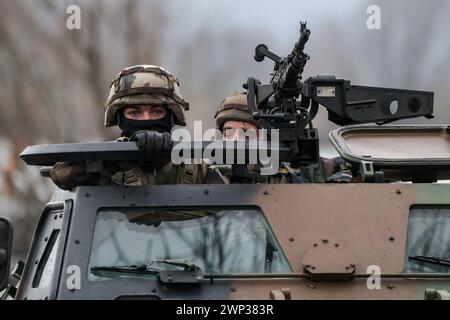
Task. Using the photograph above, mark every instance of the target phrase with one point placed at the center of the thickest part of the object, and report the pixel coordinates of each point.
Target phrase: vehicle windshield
(428, 237)
(218, 241)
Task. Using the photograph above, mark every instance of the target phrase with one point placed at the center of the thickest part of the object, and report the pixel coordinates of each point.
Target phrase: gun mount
(289, 104)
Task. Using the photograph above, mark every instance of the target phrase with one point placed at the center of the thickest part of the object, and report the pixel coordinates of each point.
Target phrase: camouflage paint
(363, 218)
(368, 220)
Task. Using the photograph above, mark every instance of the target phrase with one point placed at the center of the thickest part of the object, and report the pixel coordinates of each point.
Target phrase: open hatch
(390, 153)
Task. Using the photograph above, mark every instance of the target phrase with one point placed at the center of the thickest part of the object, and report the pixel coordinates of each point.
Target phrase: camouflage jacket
(69, 175)
(169, 174)
(333, 170)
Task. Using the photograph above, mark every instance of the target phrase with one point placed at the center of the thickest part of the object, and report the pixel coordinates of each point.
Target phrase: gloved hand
(156, 146)
(69, 175)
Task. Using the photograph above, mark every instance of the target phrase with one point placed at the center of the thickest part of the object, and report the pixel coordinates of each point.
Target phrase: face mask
(130, 126)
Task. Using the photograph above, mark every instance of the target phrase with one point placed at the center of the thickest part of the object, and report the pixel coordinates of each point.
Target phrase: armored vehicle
(377, 239)
(385, 235)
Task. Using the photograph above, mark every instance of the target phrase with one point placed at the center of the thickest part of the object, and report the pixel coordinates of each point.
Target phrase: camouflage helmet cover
(145, 84)
(234, 108)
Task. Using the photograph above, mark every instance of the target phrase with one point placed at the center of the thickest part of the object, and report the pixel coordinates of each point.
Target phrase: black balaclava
(130, 126)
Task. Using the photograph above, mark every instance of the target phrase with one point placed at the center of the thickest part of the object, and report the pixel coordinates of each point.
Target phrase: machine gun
(289, 104)
(286, 103)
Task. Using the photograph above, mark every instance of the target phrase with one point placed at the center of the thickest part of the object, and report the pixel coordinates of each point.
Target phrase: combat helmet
(145, 84)
(234, 108)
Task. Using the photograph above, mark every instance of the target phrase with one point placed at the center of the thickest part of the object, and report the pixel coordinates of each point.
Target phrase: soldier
(145, 102)
(233, 114)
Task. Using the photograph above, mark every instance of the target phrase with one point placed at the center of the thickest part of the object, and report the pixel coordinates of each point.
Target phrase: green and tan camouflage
(234, 108)
(366, 240)
(330, 247)
(141, 85)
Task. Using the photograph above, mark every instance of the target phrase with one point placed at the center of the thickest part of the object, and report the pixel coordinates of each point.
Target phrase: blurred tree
(54, 80)
(54, 83)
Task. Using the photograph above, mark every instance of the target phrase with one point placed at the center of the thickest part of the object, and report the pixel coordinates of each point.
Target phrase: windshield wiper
(141, 269)
(191, 273)
(179, 263)
(441, 261)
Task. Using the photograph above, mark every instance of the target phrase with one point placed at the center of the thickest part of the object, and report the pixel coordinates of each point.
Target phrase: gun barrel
(300, 45)
(297, 61)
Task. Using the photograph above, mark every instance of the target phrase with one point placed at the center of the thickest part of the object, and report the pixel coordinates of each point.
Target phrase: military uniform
(234, 108)
(137, 86)
(131, 174)
(333, 170)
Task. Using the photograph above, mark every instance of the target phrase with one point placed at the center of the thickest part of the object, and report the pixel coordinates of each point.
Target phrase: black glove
(156, 146)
